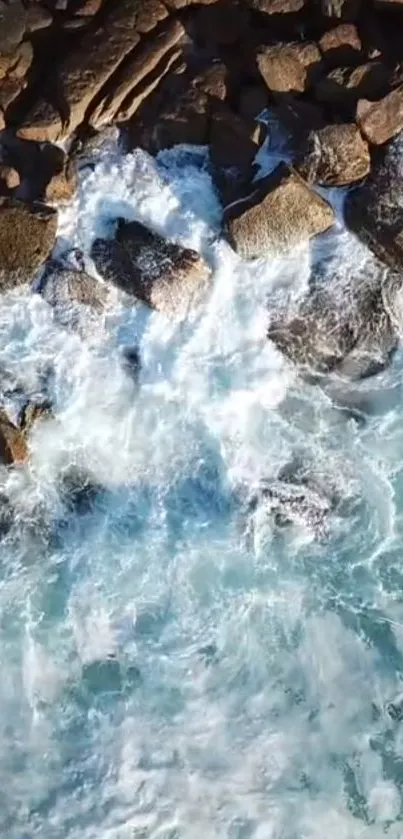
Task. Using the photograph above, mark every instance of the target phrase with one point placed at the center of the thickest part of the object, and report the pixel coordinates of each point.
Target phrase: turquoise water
(174, 664)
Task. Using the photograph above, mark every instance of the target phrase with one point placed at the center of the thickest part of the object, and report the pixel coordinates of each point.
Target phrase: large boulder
(341, 46)
(342, 9)
(336, 155)
(71, 292)
(344, 86)
(380, 121)
(279, 212)
(374, 211)
(85, 70)
(162, 274)
(287, 68)
(27, 236)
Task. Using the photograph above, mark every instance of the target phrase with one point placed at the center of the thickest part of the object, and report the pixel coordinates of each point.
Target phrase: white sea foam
(163, 675)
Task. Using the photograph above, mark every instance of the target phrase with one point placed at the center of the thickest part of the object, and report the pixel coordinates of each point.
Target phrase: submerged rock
(65, 286)
(279, 212)
(354, 332)
(27, 235)
(162, 274)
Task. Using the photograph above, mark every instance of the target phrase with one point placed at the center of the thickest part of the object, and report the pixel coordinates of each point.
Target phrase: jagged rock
(90, 8)
(140, 74)
(279, 212)
(355, 332)
(299, 118)
(341, 46)
(9, 176)
(336, 156)
(380, 121)
(46, 172)
(13, 447)
(27, 235)
(63, 183)
(185, 119)
(32, 412)
(164, 275)
(345, 85)
(287, 68)
(374, 211)
(85, 70)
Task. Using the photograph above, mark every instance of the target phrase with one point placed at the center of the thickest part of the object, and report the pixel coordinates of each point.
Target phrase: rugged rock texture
(344, 86)
(27, 235)
(374, 211)
(336, 156)
(63, 285)
(277, 7)
(287, 68)
(281, 212)
(13, 447)
(341, 46)
(382, 120)
(164, 275)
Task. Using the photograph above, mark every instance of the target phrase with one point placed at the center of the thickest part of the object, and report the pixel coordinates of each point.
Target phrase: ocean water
(175, 664)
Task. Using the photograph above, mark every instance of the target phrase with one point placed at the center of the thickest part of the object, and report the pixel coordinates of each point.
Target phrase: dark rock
(233, 141)
(374, 211)
(341, 46)
(289, 68)
(343, 9)
(214, 81)
(182, 120)
(395, 709)
(344, 86)
(223, 22)
(336, 156)
(6, 515)
(79, 491)
(382, 120)
(32, 412)
(297, 504)
(27, 235)
(279, 212)
(164, 275)
(253, 99)
(13, 447)
(45, 171)
(350, 332)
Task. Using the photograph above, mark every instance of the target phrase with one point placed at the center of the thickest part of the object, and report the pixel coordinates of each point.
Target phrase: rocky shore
(167, 72)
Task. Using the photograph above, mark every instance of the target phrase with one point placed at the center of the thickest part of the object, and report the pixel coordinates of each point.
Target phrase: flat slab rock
(281, 212)
(143, 264)
(27, 236)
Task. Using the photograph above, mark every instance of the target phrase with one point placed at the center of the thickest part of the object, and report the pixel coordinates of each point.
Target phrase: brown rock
(222, 23)
(167, 277)
(9, 90)
(13, 446)
(142, 63)
(341, 46)
(182, 4)
(33, 412)
(277, 7)
(36, 17)
(23, 59)
(85, 70)
(287, 68)
(280, 212)
(9, 176)
(27, 235)
(184, 120)
(90, 7)
(346, 85)
(382, 120)
(336, 156)
(214, 81)
(12, 27)
(63, 184)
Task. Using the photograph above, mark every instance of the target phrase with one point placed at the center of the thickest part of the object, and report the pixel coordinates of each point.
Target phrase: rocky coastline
(164, 72)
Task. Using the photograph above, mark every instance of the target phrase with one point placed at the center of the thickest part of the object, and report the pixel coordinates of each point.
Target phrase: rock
(27, 235)
(341, 46)
(253, 99)
(9, 176)
(13, 447)
(85, 70)
(280, 212)
(6, 515)
(277, 7)
(90, 7)
(233, 142)
(64, 285)
(164, 275)
(348, 329)
(289, 68)
(374, 211)
(296, 504)
(336, 156)
(184, 119)
(130, 87)
(32, 412)
(63, 183)
(380, 121)
(213, 81)
(344, 86)
(221, 23)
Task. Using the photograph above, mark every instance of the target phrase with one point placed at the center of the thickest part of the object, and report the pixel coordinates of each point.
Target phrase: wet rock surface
(164, 275)
(27, 235)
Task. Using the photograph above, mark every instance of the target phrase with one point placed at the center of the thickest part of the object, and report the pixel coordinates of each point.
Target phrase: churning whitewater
(198, 652)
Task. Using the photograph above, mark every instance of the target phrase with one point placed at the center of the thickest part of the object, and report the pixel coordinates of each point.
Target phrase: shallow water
(172, 665)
